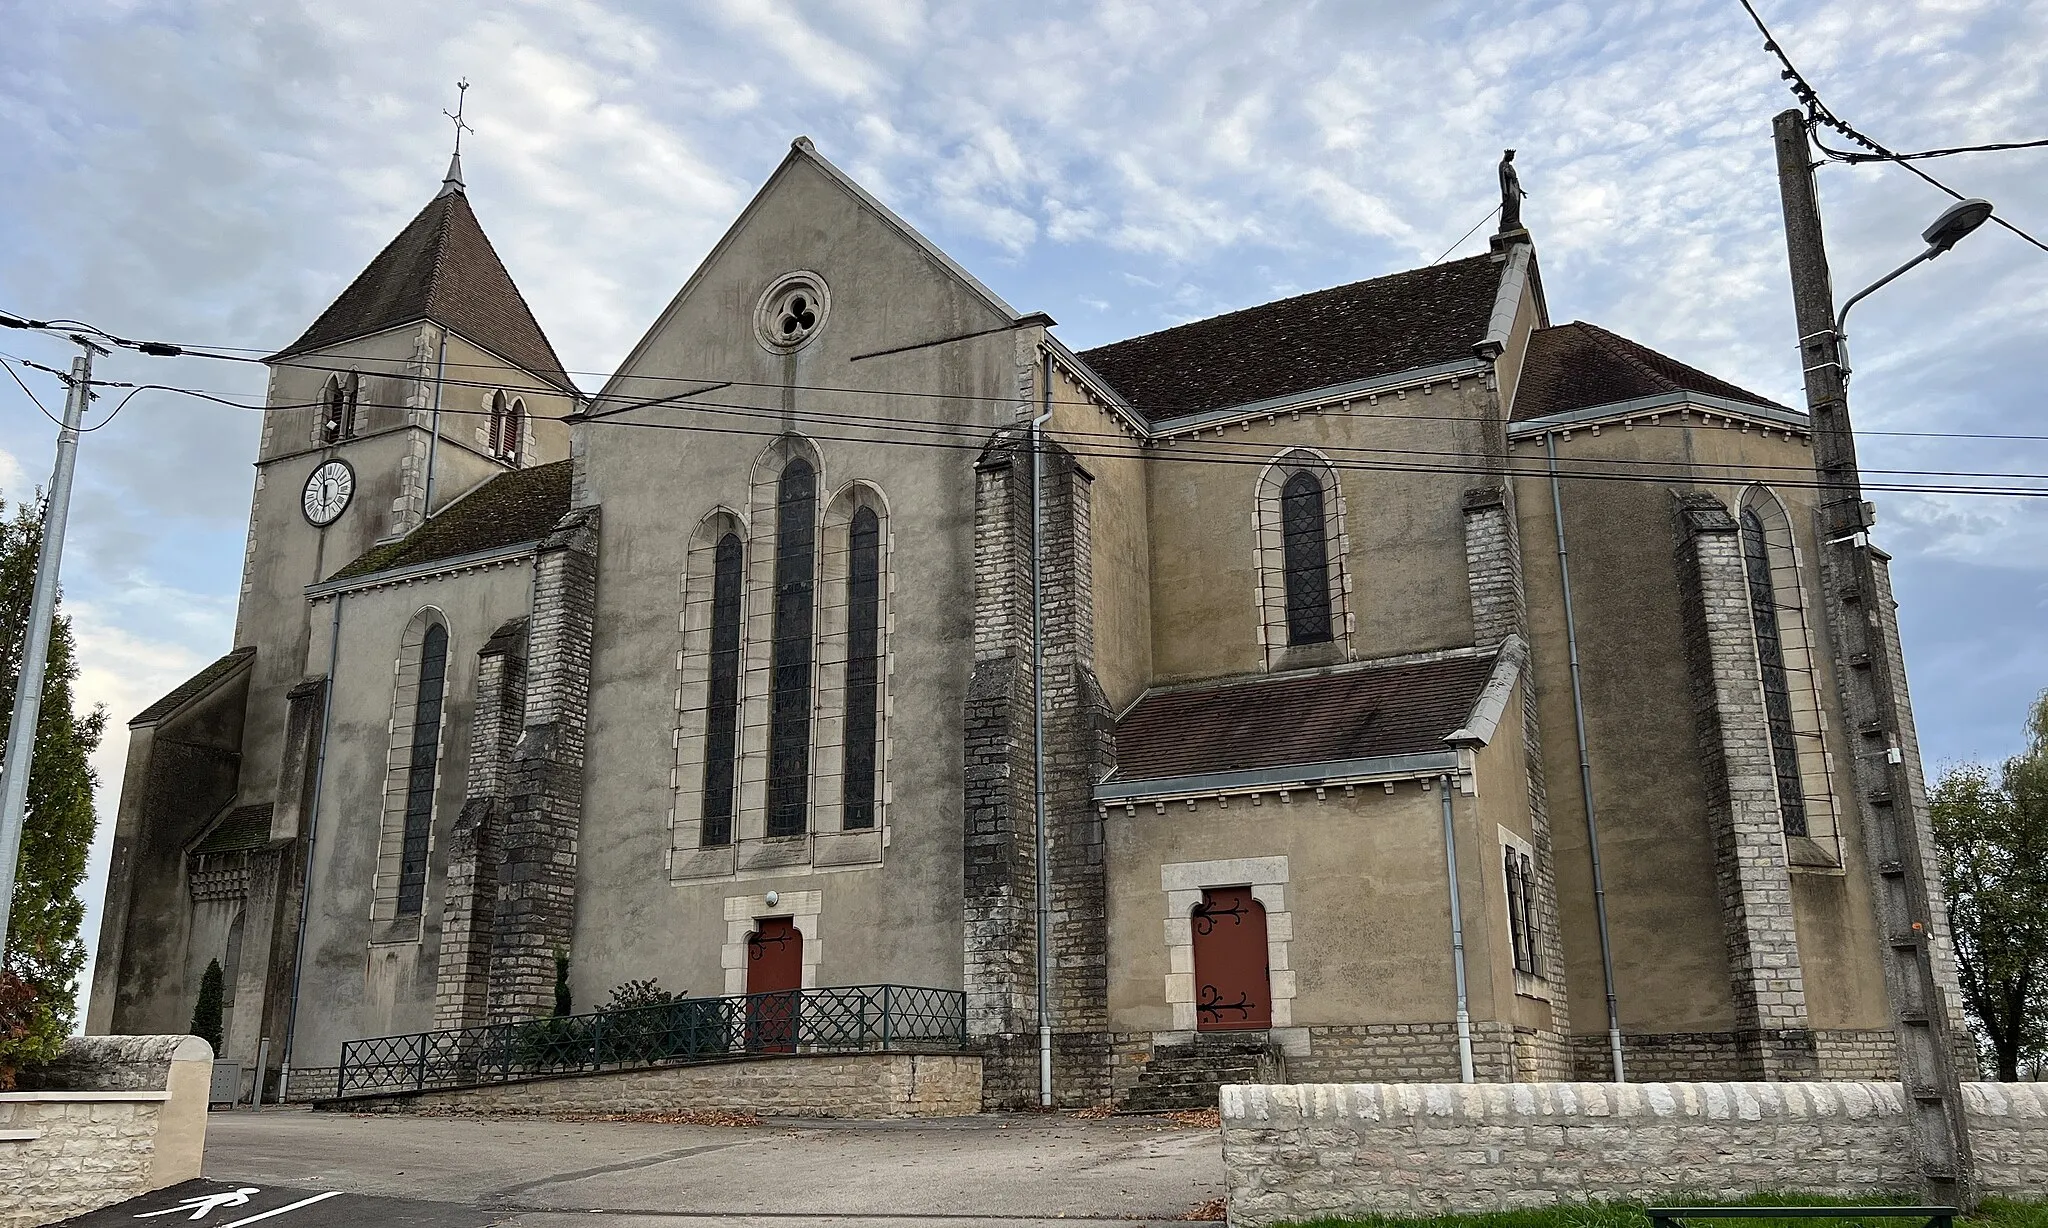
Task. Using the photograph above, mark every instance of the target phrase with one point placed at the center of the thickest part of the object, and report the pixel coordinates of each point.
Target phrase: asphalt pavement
(326, 1170)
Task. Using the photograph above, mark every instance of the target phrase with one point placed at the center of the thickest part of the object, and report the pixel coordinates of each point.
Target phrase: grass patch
(1994, 1213)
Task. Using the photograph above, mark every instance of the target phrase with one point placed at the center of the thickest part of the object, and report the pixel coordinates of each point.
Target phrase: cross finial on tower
(453, 182)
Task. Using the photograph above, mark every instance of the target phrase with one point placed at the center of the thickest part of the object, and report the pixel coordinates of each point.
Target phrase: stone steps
(1190, 1077)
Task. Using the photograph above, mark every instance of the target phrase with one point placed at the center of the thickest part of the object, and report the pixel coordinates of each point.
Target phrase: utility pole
(1866, 660)
(35, 651)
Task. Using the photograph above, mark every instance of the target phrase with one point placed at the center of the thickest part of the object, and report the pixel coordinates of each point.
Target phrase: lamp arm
(1880, 284)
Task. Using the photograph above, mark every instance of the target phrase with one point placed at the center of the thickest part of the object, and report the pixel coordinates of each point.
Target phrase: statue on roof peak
(1511, 193)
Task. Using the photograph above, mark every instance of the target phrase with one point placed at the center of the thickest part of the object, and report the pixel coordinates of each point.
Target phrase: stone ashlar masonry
(111, 1118)
(536, 900)
(1000, 884)
(462, 975)
(1742, 802)
(797, 1085)
(1677, 1057)
(1307, 1151)
(1500, 609)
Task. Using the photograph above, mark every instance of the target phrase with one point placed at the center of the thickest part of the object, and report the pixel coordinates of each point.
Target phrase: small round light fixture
(773, 898)
(791, 312)
(1956, 221)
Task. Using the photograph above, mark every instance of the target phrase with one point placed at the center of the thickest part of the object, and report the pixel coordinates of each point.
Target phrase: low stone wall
(1309, 1150)
(794, 1085)
(112, 1117)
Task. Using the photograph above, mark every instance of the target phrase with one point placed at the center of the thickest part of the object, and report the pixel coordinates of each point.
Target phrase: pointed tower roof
(442, 268)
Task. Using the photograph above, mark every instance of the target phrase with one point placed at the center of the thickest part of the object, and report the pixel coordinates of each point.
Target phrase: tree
(39, 969)
(206, 1011)
(1992, 836)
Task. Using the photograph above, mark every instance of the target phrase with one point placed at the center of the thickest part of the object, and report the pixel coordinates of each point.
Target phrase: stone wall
(1305, 1151)
(797, 1085)
(112, 1117)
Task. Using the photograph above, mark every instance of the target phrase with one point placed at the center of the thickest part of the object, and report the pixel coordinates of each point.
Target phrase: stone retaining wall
(1304, 1151)
(795, 1085)
(112, 1117)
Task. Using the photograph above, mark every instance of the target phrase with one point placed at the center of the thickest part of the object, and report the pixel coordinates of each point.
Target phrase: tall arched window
(722, 715)
(789, 681)
(1299, 548)
(863, 667)
(1305, 559)
(1770, 655)
(421, 769)
(508, 427)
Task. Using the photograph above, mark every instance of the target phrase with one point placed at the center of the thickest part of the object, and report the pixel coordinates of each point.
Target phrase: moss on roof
(515, 507)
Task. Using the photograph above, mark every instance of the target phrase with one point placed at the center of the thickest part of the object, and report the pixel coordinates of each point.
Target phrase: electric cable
(1819, 115)
(1121, 443)
(963, 437)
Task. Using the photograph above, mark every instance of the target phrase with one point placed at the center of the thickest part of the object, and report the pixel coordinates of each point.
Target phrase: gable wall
(898, 921)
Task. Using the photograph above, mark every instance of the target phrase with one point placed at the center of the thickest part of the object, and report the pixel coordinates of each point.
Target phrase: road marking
(303, 1202)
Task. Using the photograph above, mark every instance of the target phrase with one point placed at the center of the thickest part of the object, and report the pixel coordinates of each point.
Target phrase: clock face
(328, 491)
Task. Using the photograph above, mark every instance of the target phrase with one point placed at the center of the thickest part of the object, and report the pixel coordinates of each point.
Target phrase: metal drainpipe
(1038, 742)
(434, 444)
(1571, 639)
(1446, 783)
(291, 1018)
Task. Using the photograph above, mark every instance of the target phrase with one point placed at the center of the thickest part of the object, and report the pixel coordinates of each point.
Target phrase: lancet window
(1786, 662)
(1770, 655)
(1304, 590)
(863, 668)
(722, 710)
(791, 654)
(413, 768)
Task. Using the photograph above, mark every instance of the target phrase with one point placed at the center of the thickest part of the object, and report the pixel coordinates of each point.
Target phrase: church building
(1384, 683)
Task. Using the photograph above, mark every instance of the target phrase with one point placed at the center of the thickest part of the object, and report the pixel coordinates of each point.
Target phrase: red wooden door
(775, 977)
(1233, 986)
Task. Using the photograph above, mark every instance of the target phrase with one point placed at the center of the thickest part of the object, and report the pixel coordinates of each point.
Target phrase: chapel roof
(1322, 717)
(519, 506)
(192, 688)
(441, 267)
(244, 827)
(1399, 322)
(1580, 365)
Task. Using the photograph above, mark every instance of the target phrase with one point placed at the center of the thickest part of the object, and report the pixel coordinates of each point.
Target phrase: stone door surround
(741, 914)
(1183, 882)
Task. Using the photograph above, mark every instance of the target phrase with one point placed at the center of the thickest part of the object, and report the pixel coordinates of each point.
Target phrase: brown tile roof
(1302, 719)
(1581, 365)
(520, 506)
(244, 827)
(192, 688)
(441, 267)
(1396, 323)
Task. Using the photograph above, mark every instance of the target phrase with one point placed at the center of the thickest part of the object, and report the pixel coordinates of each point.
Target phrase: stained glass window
(863, 667)
(789, 674)
(419, 783)
(721, 732)
(1305, 560)
(1770, 655)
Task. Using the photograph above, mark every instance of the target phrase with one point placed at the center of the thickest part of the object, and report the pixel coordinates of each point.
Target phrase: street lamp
(1947, 230)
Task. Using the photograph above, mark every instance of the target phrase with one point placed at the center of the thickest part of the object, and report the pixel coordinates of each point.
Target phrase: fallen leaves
(1209, 1211)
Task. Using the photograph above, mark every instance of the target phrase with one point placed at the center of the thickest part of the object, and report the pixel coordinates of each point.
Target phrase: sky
(215, 173)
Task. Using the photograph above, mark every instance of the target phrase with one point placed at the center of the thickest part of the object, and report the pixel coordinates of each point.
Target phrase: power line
(979, 433)
(198, 350)
(1818, 114)
(968, 437)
